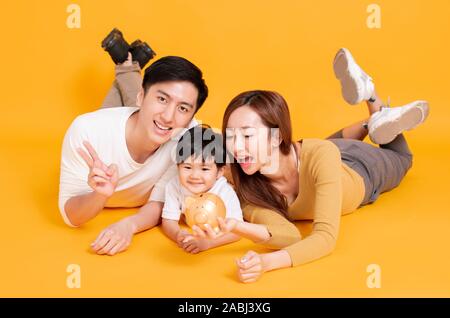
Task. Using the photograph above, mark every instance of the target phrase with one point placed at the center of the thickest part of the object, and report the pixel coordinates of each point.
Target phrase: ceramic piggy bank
(203, 209)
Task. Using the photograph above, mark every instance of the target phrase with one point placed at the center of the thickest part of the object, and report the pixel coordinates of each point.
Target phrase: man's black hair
(175, 68)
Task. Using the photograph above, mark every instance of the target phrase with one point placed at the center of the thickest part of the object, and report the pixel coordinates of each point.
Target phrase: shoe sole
(349, 86)
(385, 133)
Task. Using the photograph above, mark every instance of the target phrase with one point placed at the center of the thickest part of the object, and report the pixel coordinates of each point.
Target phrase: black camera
(118, 48)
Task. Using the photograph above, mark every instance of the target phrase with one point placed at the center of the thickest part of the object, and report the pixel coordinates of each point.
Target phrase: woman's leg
(358, 131)
(390, 163)
(382, 168)
(385, 123)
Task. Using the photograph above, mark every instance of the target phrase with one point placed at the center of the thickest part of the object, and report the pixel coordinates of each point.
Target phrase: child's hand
(196, 245)
(183, 236)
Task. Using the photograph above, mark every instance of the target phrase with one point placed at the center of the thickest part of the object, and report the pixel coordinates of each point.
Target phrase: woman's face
(247, 138)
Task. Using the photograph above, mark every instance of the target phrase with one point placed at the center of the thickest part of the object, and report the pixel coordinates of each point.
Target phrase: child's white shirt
(176, 193)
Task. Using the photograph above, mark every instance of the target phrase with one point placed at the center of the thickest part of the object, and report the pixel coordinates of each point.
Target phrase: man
(121, 156)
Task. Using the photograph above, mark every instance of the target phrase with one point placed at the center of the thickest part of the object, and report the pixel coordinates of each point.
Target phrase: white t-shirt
(176, 194)
(104, 129)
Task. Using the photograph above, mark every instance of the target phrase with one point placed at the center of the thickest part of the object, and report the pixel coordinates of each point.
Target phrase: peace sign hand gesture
(102, 178)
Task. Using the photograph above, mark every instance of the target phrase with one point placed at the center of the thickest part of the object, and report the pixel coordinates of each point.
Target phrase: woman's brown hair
(274, 113)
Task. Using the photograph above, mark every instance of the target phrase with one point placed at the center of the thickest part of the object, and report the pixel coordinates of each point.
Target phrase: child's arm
(173, 231)
(171, 213)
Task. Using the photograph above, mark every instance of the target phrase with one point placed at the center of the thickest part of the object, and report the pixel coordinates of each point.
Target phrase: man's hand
(102, 178)
(115, 238)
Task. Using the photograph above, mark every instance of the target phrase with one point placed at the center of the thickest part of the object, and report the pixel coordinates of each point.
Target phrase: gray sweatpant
(382, 168)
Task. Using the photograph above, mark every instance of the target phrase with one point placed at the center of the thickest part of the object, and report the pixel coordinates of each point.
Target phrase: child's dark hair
(175, 68)
(201, 140)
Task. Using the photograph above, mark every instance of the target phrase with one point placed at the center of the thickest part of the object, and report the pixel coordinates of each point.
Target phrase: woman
(311, 178)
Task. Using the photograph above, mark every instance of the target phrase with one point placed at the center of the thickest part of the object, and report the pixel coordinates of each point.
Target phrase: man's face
(166, 108)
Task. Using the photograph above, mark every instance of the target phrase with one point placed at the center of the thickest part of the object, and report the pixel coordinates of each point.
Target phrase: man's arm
(82, 208)
(102, 179)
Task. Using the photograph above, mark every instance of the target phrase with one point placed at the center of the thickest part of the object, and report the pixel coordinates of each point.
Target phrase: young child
(201, 160)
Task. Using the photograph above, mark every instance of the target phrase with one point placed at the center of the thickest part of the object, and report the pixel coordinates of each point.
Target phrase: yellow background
(50, 74)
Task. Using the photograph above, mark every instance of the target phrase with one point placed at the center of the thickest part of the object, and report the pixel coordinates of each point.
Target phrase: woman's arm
(264, 226)
(326, 173)
(222, 240)
(268, 228)
(254, 232)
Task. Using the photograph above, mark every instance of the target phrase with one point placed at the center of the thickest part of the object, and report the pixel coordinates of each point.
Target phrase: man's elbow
(67, 216)
(73, 222)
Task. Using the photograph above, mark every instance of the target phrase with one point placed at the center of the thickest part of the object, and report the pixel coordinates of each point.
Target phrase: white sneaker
(388, 123)
(356, 85)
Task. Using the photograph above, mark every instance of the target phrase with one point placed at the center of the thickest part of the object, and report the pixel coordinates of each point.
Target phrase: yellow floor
(51, 73)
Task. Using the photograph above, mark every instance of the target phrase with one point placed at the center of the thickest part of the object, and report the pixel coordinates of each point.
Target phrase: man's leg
(113, 98)
(126, 85)
(129, 82)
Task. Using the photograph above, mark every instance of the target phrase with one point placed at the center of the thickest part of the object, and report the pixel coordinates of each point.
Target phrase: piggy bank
(203, 209)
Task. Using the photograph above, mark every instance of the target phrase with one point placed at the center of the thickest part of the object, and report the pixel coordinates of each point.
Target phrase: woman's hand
(250, 267)
(225, 226)
(115, 238)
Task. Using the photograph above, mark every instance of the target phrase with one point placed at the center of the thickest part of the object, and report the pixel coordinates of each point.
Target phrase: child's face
(197, 176)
